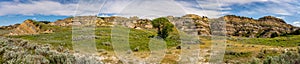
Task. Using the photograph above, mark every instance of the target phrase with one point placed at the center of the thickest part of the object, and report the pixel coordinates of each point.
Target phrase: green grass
(283, 41)
(140, 38)
(137, 38)
(63, 37)
(252, 47)
(232, 55)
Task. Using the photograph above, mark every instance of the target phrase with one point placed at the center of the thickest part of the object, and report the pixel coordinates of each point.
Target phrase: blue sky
(16, 11)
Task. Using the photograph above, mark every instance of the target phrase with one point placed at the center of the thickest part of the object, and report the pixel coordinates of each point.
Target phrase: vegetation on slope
(283, 41)
(163, 26)
(238, 49)
(137, 38)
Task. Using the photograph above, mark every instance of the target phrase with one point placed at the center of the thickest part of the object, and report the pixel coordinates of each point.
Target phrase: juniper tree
(163, 26)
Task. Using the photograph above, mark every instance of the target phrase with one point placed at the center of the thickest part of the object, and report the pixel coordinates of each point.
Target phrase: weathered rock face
(266, 27)
(191, 23)
(64, 22)
(27, 27)
(201, 24)
(271, 19)
(132, 22)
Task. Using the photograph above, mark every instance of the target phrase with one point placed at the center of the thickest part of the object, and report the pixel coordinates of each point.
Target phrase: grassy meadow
(237, 49)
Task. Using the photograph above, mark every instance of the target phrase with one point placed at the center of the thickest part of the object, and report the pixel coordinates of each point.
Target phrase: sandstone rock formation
(265, 27)
(64, 22)
(27, 27)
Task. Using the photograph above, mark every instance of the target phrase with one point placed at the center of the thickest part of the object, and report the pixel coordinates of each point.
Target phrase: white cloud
(285, 9)
(217, 8)
(84, 7)
(278, 7)
(142, 8)
(36, 7)
(204, 8)
(296, 23)
(153, 8)
(89, 7)
(281, 17)
(115, 6)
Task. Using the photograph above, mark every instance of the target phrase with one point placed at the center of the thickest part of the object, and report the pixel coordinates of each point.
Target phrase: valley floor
(238, 50)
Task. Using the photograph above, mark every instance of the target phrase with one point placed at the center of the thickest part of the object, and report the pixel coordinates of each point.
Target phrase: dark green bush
(238, 54)
(164, 27)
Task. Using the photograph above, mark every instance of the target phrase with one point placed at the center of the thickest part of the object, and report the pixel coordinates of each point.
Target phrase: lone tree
(163, 26)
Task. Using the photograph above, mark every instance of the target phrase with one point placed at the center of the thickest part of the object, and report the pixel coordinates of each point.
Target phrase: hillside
(247, 38)
(238, 49)
(265, 27)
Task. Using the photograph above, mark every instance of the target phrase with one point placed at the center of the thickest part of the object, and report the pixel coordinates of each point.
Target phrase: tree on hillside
(163, 26)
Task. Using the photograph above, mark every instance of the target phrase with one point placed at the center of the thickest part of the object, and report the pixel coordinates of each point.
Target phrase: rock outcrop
(27, 27)
(265, 27)
(64, 22)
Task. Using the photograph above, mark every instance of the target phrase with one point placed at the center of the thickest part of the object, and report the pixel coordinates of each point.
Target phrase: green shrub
(164, 27)
(255, 61)
(286, 58)
(238, 54)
